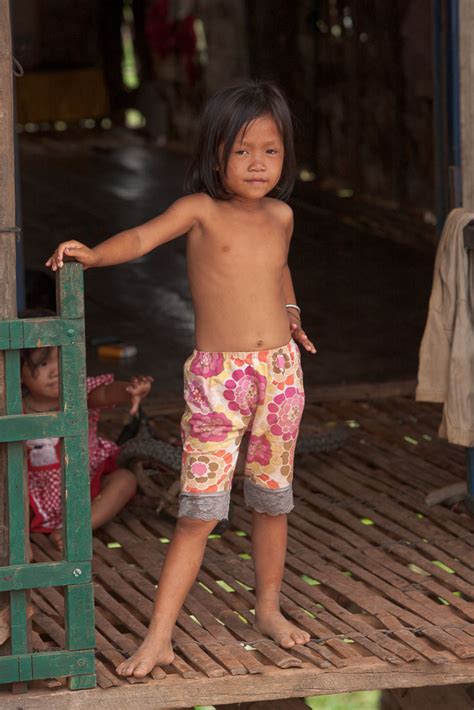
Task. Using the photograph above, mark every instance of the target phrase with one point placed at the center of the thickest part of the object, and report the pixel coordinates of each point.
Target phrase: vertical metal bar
(470, 470)
(454, 108)
(439, 119)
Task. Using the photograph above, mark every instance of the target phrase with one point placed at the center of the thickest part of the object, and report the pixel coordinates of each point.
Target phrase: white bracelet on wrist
(293, 305)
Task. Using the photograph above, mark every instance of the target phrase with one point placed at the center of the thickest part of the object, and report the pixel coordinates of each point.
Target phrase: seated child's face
(40, 375)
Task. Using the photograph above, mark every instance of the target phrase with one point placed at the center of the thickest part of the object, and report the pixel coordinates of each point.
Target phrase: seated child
(111, 487)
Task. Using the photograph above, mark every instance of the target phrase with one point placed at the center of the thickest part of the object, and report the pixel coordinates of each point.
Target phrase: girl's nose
(257, 165)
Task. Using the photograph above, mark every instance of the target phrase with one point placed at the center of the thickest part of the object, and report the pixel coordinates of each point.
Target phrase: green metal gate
(70, 425)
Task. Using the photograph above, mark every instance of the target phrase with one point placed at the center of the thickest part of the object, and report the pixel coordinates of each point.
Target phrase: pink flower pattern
(260, 450)
(210, 427)
(285, 413)
(227, 394)
(196, 396)
(245, 390)
(207, 364)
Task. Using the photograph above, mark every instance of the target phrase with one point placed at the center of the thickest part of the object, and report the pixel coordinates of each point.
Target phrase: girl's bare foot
(152, 652)
(282, 631)
(56, 538)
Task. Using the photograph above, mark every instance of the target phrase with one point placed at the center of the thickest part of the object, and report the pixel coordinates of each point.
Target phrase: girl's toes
(287, 642)
(141, 670)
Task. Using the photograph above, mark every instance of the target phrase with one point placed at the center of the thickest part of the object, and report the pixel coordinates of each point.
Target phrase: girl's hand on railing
(72, 251)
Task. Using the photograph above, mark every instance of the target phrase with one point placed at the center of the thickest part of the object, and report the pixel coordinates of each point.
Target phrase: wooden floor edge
(276, 684)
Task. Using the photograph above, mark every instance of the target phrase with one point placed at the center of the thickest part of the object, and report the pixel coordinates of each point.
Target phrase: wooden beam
(466, 64)
(177, 692)
(7, 238)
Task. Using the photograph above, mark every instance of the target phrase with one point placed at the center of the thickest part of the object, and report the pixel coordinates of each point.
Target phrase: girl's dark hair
(34, 357)
(224, 115)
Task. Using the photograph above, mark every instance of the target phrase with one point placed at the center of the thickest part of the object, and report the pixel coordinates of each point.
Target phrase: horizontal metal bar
(46, 664)
(40, 332)
(21, 427)
(44, 574)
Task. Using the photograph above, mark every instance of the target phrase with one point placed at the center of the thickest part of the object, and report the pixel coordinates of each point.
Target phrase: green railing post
(77, 660)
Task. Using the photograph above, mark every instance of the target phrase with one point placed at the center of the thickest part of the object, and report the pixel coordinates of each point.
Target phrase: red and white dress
(44, 468)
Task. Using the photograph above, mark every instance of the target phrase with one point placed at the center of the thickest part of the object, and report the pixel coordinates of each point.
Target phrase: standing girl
(244, 374)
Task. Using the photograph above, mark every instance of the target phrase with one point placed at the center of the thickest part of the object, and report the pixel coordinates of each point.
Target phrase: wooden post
(466, 63)
(7, 238)
(7, 269)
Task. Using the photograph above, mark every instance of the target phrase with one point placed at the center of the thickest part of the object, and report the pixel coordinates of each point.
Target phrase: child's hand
(138, 389)
(300, 336)
(71, 250)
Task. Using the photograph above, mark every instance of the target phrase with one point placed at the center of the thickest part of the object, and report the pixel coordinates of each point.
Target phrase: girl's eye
(272, 151)
(241, 152)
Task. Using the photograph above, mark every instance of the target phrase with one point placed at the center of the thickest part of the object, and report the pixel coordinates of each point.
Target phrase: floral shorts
(228, 395)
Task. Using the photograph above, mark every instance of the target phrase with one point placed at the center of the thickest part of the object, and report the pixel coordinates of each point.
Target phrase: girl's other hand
(138, 389)
(71, 250)
(300, 336)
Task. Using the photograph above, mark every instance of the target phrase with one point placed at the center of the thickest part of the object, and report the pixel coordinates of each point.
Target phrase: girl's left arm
(121, 393)
(294, 314)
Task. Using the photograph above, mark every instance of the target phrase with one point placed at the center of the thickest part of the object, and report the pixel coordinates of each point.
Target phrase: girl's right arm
(134, 243)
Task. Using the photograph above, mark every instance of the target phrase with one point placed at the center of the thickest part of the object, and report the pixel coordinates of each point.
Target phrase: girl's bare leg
(269, 538)
(180, 569)
(117, 489)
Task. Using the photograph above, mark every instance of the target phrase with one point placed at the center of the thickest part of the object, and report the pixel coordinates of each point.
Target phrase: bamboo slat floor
(382, 582)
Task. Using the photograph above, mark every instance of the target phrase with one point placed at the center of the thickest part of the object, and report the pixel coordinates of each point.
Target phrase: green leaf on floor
(367, 521)
(245, 586)
(310, 580)
(224, 585)
(201, 584)
(352, 424)
(444, 567)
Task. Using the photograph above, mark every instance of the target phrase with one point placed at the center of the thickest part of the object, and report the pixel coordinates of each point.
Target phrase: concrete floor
(364, 298)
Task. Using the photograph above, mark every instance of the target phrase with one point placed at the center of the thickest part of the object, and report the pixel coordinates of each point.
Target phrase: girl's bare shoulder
(198, 203)
(281, 211)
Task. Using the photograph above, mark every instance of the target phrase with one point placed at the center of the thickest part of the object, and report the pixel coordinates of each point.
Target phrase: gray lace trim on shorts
(204, 506)
(267, 500)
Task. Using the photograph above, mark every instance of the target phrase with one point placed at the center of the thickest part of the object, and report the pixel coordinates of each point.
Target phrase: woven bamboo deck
(383, 583)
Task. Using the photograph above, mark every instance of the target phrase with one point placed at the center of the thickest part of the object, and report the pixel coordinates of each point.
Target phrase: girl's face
(42, 379)
(255, 160)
